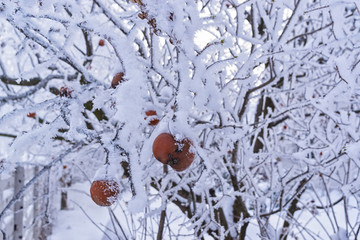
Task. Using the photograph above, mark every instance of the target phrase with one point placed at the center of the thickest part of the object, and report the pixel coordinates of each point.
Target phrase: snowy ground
(73, 223)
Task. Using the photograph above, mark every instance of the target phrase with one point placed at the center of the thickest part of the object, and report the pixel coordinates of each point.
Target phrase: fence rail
(27, 219)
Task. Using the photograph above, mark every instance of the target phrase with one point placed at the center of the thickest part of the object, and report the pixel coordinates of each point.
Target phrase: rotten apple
(176, 153)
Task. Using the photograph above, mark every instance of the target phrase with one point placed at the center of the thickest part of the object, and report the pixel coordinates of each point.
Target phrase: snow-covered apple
(104, 192)
(31, 115)
(117, 79)
(177, 154)
(101, 42)
(153, 120)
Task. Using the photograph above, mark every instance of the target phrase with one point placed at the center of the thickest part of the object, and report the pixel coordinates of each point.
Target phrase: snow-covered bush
(266, 90)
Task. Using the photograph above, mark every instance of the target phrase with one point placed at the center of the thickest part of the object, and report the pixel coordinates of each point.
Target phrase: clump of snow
(340, 235)
(106, 172)
(353, 150)
(339, 21)
(137, 204)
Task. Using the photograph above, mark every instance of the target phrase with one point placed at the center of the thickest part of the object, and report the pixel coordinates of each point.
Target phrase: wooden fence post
(1, 194)
(37, 196)
(19, 205)
(2, 232)
(65, 182)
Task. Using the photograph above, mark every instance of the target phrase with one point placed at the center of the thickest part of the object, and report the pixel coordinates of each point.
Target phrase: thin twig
(247, 95)
(309, 33)
(331, 206)
(291, 17)
(112, 221)
(163, 213)
(118, 223)
(4, 234)
(7, 135)
(315, 9)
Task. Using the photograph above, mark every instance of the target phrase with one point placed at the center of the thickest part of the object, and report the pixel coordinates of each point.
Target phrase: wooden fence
(28, 217)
